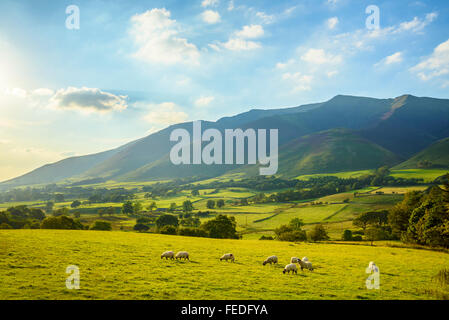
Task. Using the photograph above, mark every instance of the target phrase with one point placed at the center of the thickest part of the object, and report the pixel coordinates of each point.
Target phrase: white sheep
(372, 267)
(168, 255)
(294, 260)
(182, 255)
(228, 256)
(305, 265)
(305, 259)
(270, 260)
(290, 267)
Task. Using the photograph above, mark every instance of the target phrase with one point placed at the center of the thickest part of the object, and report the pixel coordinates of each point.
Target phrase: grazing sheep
(182, 255)
(294, 260)
(168, 254)
(372, 267)
(305, 265)
(228, 256)
(270, 260)
(305, 259)
(290, 267)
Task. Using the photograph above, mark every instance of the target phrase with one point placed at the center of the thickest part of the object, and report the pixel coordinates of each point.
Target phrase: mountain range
(345, 133)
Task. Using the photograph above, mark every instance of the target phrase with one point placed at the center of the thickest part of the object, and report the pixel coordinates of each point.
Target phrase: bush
(61, 222)
(318, 233)
(290, 233)
(101, 225)
(168, 230)
(266, 238)
(140, 227)
(357, 238)
(4, 225)
(347, 235)
(167, 220)
(222, 227)
(192, 232)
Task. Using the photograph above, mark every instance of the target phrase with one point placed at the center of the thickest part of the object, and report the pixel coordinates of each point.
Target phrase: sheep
(270, 260)
(305, 265)
(305, 259)
(372, 267)
(228, 256)
(167, 255)
(290, 267)
(182, 255)
(294, 260)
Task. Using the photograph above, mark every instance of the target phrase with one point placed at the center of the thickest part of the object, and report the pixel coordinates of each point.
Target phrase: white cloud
(332, 74)
(88, 100)
(416, 24)
(436, 65)
(319, 56)
(237, 44)
(165, 113)
(209, 3)
(204, 101)
(250, 32)
(210, 16)
(393, 59)
(332, 23)
(300, 82)
(158, 39)
(265, 18)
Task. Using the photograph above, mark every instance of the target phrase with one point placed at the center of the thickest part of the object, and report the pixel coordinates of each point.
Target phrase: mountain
(385, 129)
(329, 151)
(435, 156)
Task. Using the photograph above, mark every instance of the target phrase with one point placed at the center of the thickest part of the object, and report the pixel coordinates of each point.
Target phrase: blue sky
(134, 67)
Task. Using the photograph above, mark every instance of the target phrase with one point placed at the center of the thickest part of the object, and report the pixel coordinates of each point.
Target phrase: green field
(124, 265)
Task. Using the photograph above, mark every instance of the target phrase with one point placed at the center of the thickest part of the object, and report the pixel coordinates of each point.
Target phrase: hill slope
(435, 156)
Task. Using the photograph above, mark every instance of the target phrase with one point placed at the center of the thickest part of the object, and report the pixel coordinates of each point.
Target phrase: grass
(123, 265)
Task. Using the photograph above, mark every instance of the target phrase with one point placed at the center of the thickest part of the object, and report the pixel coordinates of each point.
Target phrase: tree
(222, 227)
(220, 203)
(195, 192)
(101, 225)
(347, 235)
(296, 223)
(187, 206)
(37, 214)
(137, 207)
(318, 233)
(75, 204)
(244, 202)
(210, 204)
(288, 233)
(373, 233)
(167, 220)
(110, 211)
(168, 230)
(61, 212)
(152, 206)
(61, 222)
(172, 207)
(49, 206)
(128, 208)
(140, 227)
(59, 197)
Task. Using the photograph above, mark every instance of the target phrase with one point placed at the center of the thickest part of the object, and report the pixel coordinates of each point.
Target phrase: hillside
(436, 156)
(126, 265)
(330, 151)
(404, 126)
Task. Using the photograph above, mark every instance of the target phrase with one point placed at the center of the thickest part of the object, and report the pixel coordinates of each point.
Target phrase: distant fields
(124, 265)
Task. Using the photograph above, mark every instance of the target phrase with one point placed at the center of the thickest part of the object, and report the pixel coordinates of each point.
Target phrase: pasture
(125, 265)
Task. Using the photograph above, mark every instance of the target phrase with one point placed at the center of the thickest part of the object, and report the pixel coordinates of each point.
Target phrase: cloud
(165, 113)
(237, 44)
(332, 23)
(436, 65)
(203, 101)
(393, 59)
(158, 39)
(300, 82)
(210, 16)
(250, 32)
(416, 25)
(319, 57)
(265, 18)
(209, 3)
(88, 99)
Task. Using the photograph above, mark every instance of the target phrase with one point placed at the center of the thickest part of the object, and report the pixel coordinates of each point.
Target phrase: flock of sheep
(303, 263)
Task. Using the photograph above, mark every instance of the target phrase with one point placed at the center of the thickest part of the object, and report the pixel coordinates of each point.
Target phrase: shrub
(289, 233)
(266, 238)
(318, 233)
(140, 227)
(61, 222)
(222, 227)
(168, 230)
(357, 238)
(347, 235)
(192, 232)
(4, 225)
(167, 220)
(101, 225)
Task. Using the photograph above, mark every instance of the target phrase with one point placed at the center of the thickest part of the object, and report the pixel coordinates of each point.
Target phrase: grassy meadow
(125, 265)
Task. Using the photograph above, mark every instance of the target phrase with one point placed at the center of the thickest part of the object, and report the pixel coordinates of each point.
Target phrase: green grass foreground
(124, 265)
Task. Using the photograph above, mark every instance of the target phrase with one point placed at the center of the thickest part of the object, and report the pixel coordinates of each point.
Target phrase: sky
(131, 68)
